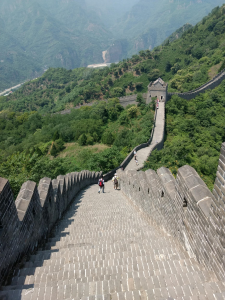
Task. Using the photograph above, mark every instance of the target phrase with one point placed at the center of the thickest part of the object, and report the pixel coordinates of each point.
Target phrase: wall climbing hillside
(209, 85)
(28, 221)
(184, 208)
(151, 144)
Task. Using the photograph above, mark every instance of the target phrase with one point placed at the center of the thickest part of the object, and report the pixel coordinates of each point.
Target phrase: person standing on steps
(135, 158)
(101, 184)
(115, 181)
(136, 161)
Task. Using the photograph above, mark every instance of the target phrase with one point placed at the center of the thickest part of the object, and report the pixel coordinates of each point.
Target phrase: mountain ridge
(75, 34)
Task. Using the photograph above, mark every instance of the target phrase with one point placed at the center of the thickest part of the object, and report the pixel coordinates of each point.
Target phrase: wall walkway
(184, 208)
(156, 142)
(105, 249)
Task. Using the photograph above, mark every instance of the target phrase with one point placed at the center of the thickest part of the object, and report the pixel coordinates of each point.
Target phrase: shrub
(82, 140)
(108, 138)
(132, 112)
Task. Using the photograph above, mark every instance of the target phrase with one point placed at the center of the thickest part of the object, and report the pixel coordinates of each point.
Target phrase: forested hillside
(37, 143)
(49, 33)
(39, 34)
(148, 23)
(195, 130)
(30, 141)
(185, 63)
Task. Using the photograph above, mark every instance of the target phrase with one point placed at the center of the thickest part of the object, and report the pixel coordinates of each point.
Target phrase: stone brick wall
(28, 220)
(209, 85)
(184, 208)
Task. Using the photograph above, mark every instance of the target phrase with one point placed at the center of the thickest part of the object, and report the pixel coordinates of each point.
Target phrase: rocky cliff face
(150, 22)
(116, 52)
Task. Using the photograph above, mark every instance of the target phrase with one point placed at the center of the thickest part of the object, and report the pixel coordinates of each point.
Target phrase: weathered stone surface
(28, 220)
(185, 208)
(104, 248)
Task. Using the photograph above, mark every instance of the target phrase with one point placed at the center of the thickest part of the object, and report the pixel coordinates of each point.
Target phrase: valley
(39, 141)
(37, 35)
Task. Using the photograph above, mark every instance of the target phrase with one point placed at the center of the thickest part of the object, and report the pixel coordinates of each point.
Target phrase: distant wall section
(209, 85)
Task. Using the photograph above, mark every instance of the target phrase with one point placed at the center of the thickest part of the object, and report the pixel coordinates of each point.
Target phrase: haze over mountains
(38, 34)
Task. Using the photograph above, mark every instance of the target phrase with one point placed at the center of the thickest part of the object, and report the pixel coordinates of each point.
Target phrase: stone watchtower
(157, 89)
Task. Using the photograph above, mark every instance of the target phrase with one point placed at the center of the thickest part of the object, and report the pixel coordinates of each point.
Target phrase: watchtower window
(162, 194)
(139, 189)
(148, 191)
(33, 212)
(185, 203)
(50, 201)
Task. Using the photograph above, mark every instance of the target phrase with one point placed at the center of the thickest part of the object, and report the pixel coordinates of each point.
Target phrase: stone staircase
(157, 139)
(104, 248)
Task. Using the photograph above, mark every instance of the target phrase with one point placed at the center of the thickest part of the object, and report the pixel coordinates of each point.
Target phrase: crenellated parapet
(26, 222)
(184, 208)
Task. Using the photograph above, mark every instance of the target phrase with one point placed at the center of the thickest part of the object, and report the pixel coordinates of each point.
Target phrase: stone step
(99, 241)
(91, 244)
(99, 232)
(104, 234)
(143, 259)
(83, 249)
(113, 290)
(45, 258)
(71, 271)
(165, 280)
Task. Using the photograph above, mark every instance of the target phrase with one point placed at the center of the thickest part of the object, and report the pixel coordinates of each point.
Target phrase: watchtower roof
(159, 80)
(158, 85)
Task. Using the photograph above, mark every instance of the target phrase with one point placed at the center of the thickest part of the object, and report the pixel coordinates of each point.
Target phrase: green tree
(132, 112)
(141, 101)
(56, 135)
(108, 138)
(82, 140)
(54, 150)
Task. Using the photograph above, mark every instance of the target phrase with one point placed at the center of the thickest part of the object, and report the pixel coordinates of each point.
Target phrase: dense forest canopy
(33, 146)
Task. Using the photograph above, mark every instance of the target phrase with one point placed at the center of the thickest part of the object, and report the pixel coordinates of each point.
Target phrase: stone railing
(26, 222)
(184, 208)
(208, 85)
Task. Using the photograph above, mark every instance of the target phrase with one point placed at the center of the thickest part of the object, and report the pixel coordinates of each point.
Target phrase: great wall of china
(164, 240)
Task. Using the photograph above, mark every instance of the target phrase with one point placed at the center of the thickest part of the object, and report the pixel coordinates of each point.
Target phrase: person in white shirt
(115, 181)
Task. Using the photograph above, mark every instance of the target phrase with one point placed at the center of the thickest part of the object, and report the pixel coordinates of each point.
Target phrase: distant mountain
(150, 22)
(37, 34)
(50, 33)
(15, 65)
(111, 10)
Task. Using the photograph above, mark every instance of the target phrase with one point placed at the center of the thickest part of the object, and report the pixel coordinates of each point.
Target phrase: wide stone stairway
(104, 248)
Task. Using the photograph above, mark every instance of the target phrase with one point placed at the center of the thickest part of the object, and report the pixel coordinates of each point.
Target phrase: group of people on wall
(101, 183)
